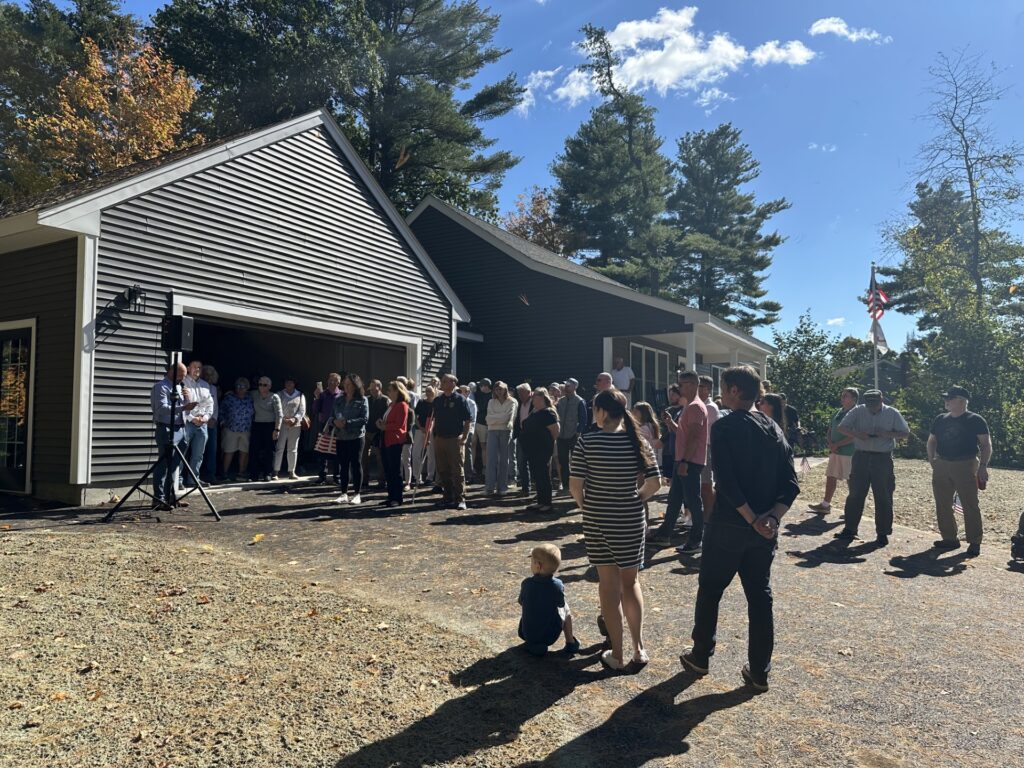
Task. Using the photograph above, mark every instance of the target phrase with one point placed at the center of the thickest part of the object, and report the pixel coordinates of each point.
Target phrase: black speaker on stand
(176, 336)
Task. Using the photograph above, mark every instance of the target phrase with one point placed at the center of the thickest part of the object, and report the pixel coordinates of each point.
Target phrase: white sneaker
(343, 499)
(355, 500)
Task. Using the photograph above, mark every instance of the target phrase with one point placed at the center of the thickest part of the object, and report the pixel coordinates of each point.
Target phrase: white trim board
(81, 214)
(16, 325)
(281, 321)
(85, 333)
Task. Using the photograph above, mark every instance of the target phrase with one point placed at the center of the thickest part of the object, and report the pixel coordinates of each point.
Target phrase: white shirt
(621, 378)
(199, 392)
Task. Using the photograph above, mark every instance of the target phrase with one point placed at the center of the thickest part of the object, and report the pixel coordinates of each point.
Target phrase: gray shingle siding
(287, 228)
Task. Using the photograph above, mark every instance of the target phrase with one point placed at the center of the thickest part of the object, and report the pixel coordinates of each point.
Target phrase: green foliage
(390, 70)
(613, 181)
(40, 44)
(804, 370)
(722, 253)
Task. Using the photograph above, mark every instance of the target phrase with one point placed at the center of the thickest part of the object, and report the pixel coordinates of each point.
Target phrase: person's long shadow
(836, 552)
(647, 727)
(811, 526)
(507, 691)
(927, 563)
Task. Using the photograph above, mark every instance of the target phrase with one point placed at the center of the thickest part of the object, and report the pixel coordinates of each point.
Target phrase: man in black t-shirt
(959, 449)
(450, 431)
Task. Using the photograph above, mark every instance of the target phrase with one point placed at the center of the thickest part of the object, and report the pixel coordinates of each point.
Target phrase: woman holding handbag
(393, 428)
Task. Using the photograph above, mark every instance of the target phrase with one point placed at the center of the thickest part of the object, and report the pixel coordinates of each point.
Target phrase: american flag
(957, 506)
(877, 299)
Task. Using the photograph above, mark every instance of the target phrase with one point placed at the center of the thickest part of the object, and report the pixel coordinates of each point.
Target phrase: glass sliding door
(15, 412)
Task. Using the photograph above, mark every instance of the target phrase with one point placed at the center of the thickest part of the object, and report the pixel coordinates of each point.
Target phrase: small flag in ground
(957, 506)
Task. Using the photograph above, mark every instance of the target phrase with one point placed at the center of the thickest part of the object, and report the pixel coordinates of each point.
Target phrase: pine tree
(722, 253)
(613, 180)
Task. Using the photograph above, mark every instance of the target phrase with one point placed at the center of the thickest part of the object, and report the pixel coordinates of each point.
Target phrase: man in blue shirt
(452, 423)
(168, 410)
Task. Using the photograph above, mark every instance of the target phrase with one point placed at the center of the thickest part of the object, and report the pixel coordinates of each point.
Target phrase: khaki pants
(960, 477)
(448, 458)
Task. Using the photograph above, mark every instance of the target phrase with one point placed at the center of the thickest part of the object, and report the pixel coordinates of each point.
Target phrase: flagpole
(874, 324)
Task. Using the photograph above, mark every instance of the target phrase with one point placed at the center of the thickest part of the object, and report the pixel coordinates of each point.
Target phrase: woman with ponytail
(603, 480)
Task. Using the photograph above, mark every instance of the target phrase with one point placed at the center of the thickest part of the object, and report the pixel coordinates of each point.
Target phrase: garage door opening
(236, 349)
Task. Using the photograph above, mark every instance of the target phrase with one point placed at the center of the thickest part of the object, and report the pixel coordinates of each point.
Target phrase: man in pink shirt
(691, 436)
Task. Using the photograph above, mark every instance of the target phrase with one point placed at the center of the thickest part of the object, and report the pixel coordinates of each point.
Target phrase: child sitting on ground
(545, 613)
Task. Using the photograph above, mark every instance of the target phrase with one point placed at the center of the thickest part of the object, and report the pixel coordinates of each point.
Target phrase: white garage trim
(85, 333)
(182, 305)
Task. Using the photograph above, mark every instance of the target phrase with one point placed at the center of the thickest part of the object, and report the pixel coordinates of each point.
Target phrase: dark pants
(350, 455)
(684, 490)
(372, 448)
(449, 456)
(261, 449)
(165, 437)
(211, 458)
(872, 471)
(391, 457)
(522, 467)
(540, 468)
(729, 550)
(565, 446)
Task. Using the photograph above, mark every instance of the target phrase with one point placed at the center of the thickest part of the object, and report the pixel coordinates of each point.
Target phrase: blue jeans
(498, 443)
(731, 550)
(210, 466)
(163, 439)
(196, 437)
(684, 490)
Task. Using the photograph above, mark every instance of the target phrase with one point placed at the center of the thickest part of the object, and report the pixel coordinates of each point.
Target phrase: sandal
(608, 661)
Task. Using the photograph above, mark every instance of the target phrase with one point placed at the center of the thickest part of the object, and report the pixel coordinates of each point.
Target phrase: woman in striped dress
(603, 480)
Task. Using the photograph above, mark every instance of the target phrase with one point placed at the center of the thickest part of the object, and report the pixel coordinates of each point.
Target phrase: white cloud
(666, 53)
(540, 80)
(794, 53)
(712, 98)
(833, 25)
(823, 147)
(836, 321)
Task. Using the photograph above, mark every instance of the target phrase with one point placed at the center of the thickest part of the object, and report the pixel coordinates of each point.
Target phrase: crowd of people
(727, 463)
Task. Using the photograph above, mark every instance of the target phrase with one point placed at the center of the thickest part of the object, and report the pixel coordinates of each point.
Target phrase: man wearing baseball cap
(959, 449)
(875, 427)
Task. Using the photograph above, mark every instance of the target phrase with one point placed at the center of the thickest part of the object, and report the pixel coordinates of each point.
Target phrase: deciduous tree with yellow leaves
(114, 112)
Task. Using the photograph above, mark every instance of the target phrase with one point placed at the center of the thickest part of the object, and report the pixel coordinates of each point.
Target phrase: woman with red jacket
(394, 428)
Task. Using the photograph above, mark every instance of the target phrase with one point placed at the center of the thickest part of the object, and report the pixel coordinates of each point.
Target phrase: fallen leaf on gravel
(478, 591)
(46, 586)
(5, 527)
(360, 551)
(94, 695)
(838, 605)
(203, 600)
(177, 651)
(314, 611)
(257, 539)
(293, 562)
(31, 724)
(89, 667)
(181, 527)
(139, 736)
(18, 655)
(846, 652)
(425, 590)
(339, 569)
(171, 592)
(16, 705)
(383, 625)
(58, 696)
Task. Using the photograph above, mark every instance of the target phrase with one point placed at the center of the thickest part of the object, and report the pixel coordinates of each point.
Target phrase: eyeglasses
(264, 385)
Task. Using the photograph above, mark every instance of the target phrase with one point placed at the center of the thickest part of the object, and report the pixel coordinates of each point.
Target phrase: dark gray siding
(536, 328)
(287, 228)
(40, 283)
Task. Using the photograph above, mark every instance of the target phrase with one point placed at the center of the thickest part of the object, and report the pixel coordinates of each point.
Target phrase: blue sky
(828, 95)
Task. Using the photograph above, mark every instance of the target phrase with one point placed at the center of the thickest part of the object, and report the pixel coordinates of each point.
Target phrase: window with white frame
(651, 368)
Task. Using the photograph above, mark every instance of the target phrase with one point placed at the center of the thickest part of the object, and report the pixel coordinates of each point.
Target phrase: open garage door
(236, 348)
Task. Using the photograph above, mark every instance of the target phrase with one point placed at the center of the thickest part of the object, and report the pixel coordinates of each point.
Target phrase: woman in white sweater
(501, 413)
(293, 407)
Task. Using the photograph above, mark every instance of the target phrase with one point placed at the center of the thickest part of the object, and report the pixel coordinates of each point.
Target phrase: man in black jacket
(755, 485)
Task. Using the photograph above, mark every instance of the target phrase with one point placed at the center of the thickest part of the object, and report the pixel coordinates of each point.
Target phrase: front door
(15, 390)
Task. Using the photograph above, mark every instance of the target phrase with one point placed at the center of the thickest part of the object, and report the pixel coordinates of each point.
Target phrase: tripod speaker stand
(171, 450)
